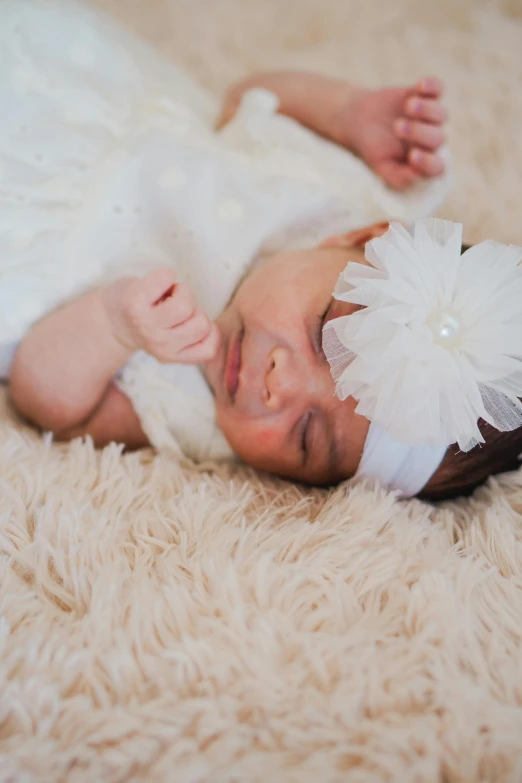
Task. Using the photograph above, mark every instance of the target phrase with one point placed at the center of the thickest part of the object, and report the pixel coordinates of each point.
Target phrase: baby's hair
(461, 472)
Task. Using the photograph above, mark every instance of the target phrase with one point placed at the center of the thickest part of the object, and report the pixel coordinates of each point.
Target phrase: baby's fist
(159, 316)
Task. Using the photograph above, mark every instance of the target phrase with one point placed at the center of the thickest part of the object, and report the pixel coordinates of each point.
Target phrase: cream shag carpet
(162, 624)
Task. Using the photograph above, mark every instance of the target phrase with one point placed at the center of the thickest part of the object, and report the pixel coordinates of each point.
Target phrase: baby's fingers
(175, 308)
(420, 134)
(429, 87)
(157, 285)
(192, 342)
(398, 175)
(425, 109)
(203, 351)
(427, 164)
(193, 331)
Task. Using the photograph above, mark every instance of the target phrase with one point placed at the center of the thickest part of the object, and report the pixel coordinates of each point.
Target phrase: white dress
(109, 165)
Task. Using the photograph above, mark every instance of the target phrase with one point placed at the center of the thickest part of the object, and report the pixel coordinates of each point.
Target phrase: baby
(133, 212)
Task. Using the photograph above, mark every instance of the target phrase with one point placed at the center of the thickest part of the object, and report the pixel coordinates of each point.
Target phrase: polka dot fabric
(110, 165)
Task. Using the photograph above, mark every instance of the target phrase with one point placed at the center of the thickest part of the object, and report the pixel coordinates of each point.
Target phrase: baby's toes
(419, 134)
(425, 109)
(427, 164)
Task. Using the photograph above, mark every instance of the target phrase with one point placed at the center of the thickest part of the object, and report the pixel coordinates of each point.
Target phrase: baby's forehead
(313, 262)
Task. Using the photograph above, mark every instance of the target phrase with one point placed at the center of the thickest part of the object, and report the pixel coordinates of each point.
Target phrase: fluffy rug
(165, 624)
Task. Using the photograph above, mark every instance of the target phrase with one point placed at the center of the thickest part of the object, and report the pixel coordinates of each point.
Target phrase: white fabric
(109, 165)
(181, 419)
(397, 466)
(436, 345)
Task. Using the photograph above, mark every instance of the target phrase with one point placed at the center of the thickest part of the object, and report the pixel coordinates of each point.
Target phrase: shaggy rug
(162, 624)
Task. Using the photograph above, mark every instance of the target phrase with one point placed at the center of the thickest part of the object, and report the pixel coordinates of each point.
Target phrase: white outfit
(109, 165)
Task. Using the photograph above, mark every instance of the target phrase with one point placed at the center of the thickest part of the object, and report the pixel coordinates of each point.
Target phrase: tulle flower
(437, 344)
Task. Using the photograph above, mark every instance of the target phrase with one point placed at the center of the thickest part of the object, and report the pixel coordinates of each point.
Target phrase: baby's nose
(282, 383)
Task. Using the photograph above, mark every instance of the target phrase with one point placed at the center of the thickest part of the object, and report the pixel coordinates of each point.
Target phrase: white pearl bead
(445, 328)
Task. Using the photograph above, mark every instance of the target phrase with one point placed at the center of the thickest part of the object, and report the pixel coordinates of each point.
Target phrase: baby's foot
(397, 131)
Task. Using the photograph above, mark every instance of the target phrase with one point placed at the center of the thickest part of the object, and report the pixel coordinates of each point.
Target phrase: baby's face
(275, 397)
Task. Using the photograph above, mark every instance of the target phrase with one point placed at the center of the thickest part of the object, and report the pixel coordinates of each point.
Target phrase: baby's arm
(313, 100)
(61, 379)
(65, 364)
(397, 131)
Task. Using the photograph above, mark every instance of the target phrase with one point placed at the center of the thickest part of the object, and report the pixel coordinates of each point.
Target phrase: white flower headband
(438, 343)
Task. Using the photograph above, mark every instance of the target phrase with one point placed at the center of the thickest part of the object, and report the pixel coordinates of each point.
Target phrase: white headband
(435, 346)
(397, 465)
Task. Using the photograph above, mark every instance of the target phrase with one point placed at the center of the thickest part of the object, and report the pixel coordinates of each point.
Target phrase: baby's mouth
(233, 365)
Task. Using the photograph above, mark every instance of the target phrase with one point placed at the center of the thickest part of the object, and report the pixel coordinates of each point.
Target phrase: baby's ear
(357, 238)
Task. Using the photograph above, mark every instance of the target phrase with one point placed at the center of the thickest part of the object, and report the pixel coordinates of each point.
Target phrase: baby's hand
(397, 131)
(159, 316)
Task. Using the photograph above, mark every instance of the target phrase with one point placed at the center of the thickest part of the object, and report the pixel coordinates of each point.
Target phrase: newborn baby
(147, 229)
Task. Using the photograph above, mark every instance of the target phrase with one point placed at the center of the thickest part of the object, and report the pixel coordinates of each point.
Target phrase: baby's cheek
(268, 438)
(263, 446)
(270, 449)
